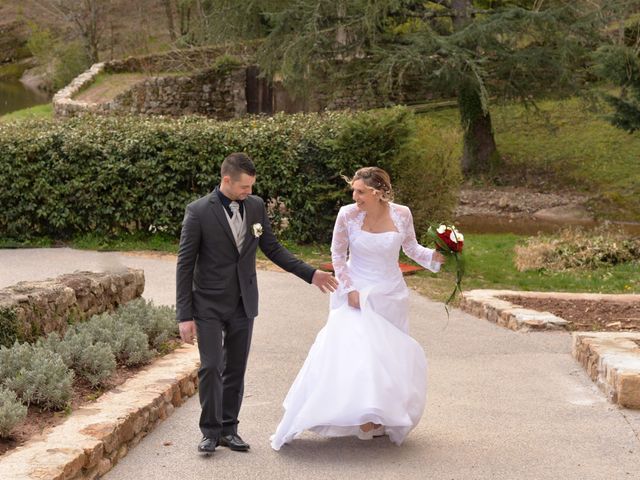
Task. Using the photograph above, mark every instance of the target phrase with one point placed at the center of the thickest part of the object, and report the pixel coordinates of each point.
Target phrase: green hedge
(113, 175)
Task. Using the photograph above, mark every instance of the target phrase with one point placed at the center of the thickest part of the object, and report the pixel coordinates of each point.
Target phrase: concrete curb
(612, 360)
(92, 440)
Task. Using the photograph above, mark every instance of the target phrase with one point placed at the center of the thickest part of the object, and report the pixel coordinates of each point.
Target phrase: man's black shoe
(207, 445)
(234, 442)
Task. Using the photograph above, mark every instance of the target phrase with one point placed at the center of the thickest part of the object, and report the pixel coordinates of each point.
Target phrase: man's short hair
(236, 164)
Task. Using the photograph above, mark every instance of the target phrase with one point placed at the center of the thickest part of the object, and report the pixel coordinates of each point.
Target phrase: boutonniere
(256, 228)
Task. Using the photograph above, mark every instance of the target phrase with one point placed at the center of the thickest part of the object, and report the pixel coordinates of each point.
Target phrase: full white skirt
(363, 367)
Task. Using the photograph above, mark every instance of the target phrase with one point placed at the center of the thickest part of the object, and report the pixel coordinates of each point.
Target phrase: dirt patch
(513, 201)
(38, 420)
(586, 315)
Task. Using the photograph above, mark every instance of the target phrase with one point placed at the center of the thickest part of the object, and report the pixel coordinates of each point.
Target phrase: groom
(217, 292)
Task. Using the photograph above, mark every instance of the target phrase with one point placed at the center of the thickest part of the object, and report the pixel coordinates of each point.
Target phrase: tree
(168, 9)
(85, 17)
(619, 64)
(471, 50)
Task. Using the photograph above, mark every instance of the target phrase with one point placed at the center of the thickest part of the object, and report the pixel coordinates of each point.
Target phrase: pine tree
(619, 63)
(471, 50)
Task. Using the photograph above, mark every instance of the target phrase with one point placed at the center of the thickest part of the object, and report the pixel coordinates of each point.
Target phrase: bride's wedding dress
(363, 366)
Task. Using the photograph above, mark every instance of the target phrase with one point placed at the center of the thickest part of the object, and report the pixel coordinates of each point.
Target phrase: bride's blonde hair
(376, 179)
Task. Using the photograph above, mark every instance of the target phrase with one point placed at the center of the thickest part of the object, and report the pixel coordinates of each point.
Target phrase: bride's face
(363, 195)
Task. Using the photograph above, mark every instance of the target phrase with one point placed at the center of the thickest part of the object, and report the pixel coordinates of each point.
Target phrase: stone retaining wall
(210, 93)
(487, 304)
(64, 104)
(219, 92)
(31, 309)
(612, 360)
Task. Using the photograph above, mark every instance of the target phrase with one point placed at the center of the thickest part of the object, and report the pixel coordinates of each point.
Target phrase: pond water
(15, 96)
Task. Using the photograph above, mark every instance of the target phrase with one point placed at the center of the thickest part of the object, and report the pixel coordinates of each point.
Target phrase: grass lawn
(566, 145)
(39, 111)
(107, 86)
(489, 264)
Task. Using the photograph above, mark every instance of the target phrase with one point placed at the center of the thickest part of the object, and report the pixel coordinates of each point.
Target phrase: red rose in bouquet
(452, 238)
(449, 241)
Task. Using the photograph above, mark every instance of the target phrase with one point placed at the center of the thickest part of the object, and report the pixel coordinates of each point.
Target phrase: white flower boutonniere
(256, 228)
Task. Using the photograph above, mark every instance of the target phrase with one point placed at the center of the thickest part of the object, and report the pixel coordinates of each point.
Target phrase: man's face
(238, 189)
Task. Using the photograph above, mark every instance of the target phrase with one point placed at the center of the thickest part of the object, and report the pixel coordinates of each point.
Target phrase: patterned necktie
(236, 221)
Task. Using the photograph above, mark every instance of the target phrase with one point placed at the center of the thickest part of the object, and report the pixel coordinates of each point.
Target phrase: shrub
(430, 175)
(37, 376)
(12, 411)
(8, 326)
(12, 359)
(61, 61)
(128, 342)
(575, 248)
(157, 322)
(91, 360)
(111, 175)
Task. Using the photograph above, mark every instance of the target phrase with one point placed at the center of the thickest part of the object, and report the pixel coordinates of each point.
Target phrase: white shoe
(362, 435)
(378, 432)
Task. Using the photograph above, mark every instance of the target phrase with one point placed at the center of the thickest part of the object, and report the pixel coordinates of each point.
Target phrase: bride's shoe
(366, 435)
(378, 432)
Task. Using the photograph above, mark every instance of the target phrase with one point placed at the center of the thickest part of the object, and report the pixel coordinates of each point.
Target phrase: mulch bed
(589, 315)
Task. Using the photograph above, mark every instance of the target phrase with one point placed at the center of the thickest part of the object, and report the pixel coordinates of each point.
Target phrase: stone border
(63, 103)
(486, 304)
(29, 310)
(612, 360)
(97, 435)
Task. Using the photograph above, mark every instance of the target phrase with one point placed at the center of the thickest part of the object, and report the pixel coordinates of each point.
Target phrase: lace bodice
(348, 228)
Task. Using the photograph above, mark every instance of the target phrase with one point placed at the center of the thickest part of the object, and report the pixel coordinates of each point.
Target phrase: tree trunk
(461, 13)
(479, 151)
(480, 154)
(185, 18)
(169, 11)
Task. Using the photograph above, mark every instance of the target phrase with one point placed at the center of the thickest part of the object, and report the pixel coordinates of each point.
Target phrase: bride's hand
(438, 257)
(354, 299)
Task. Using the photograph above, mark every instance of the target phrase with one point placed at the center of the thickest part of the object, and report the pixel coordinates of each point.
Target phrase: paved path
(501, 404)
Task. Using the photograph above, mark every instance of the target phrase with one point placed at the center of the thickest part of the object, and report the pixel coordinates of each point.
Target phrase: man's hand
(187, 331)
(325, 281)
(438, 257)
(353, 298)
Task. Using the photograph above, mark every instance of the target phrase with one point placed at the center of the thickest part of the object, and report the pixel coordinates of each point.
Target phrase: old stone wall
(212, 93)
(31, 309)
(64, 105)
(206, 82)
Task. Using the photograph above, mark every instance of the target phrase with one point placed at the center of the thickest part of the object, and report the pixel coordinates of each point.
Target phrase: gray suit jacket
(211, 275)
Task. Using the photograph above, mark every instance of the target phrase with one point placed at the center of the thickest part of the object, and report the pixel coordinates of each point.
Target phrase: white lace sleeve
(411, 247)
(339, 252)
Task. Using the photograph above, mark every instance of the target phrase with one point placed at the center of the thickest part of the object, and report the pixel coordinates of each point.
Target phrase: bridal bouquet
(449, 241)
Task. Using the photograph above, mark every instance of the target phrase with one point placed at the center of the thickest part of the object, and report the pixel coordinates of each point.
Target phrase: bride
(364, 375)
